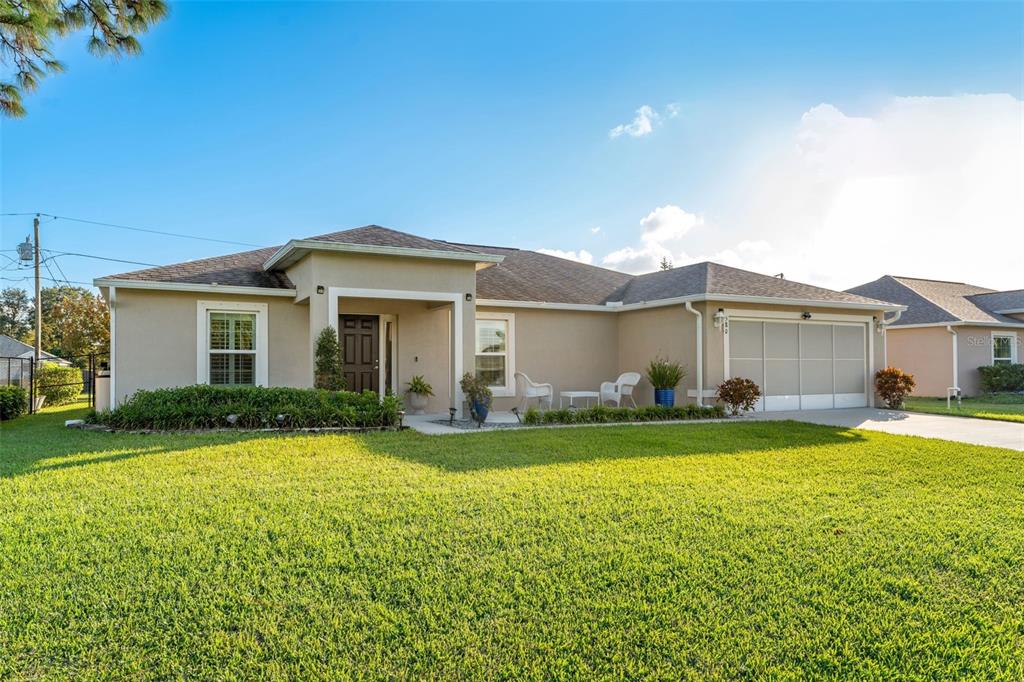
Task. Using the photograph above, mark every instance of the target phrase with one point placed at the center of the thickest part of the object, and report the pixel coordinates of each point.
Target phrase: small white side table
(573, 395)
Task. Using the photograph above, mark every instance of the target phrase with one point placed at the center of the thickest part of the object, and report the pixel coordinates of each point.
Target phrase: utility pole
(39, 302)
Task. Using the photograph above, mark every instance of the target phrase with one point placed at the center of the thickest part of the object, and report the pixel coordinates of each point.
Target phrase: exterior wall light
(720, 318)
(805, 315)
(319, 288)
(469, 297)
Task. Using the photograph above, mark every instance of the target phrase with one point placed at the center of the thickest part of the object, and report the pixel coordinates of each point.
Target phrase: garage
(801, 365)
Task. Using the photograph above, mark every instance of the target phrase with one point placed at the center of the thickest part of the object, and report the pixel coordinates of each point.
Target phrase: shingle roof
(243, 269)
(1000, 300)
(713, 278)
(932, 301)
(522, 275)
(12, 348)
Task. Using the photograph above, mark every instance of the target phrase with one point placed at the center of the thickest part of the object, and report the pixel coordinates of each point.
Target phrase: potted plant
(479, 396)
(419, 390)
(665, 375)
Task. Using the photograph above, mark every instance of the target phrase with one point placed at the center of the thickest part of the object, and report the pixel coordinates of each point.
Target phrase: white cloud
(925, 186)
(595, 229)
(581, 256)
(672, 110)
(642, 124)
(661, 235)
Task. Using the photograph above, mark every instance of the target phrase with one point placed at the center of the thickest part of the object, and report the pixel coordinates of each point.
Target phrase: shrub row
(13, 402)
(1000, 378)
(250, 407)
(61, 385)
(600, 414)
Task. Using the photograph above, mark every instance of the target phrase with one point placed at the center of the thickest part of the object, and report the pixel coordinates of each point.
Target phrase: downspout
(956, 360)
(700, 352)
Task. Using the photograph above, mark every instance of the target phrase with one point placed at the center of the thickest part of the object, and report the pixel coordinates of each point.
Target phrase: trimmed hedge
(61, 385)
(13, 402)
(208, 407)
(599, 414)
(1002, 378)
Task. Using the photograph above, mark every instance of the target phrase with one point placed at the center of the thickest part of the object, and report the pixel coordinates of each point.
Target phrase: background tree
(28, 27)
(76, 322)
(329, 372)
(15, 313)
(666, 264)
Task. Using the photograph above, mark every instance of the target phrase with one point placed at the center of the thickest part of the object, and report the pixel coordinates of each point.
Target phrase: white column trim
(111, 298)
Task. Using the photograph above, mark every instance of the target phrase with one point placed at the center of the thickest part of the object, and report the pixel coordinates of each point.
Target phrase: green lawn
(742, 550)
(1009, 408)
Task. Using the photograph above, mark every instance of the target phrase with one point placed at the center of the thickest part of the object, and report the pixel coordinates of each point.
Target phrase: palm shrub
(13, 402)
(329, 372)
(894, 385)
(664, 373)
(60, 385)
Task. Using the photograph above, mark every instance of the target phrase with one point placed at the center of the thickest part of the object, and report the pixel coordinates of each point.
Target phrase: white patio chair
(620, 388)
(528, 388)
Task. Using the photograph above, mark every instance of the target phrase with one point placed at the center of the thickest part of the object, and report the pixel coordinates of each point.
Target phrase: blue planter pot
(480, 410)
(666, 397)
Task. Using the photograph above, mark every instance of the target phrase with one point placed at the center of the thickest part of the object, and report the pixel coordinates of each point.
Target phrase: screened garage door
(801, 366)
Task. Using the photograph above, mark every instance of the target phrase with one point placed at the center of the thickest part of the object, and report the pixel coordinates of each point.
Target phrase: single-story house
(949, 329)
(10, 347)
(405, 305)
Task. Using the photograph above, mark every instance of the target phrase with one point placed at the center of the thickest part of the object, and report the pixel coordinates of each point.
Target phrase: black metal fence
(24, 372)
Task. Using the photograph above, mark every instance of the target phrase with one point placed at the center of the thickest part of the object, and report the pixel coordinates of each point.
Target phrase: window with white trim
(1004, 349)
(232, 348)
(495, 351)
(231, 343)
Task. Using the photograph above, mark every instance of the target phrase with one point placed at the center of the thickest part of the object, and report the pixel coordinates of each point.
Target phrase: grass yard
(706, 551)
(1008, 408)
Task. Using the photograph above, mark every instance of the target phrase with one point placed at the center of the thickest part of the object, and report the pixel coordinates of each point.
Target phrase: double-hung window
(1004, 349)
(495, 351)
(232, 343)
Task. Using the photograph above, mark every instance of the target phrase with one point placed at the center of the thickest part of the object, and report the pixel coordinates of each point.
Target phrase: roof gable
(931, 301)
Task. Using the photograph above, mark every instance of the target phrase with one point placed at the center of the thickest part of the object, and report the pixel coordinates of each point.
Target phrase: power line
(55, 254)
(143, 229)
(49, 279)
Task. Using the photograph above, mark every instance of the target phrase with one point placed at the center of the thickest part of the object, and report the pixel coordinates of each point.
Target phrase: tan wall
(668, 332)
(568, 349)
(925, 352)
(155, 339)
(974, 347)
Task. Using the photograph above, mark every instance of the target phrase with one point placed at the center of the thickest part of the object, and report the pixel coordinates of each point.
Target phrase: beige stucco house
(405, 305)
(948, 330)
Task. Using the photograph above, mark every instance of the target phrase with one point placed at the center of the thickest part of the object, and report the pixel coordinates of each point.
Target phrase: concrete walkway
(961, 429)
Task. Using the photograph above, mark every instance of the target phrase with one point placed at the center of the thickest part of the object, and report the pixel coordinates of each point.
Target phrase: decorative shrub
(738, 394)
(420, 386)
(665, 373)
(60, 385)
(13, 402)
(1002, 378)
(329, 372)
(475, 389)
(894, 385)
(600, 414)
(206, 407)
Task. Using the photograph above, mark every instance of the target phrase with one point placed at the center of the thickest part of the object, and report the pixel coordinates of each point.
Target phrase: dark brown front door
(360, 345)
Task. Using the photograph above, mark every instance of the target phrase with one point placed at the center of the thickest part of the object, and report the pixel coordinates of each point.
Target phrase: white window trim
(203, 310)
(509, 389)
(1013, 346)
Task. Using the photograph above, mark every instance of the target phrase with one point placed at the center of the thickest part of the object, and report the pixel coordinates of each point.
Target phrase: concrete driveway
(961, 429)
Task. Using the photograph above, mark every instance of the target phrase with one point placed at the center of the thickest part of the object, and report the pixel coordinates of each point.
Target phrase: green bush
(207, 407)
(1002, 378)
(13, 402)
(600, 414)
(60, 385)
(329, 372)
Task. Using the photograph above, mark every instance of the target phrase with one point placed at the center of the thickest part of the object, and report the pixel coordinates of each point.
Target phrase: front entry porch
(387, 337)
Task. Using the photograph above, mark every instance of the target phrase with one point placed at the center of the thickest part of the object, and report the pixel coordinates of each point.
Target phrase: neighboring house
(949, 330)
(405, 305)
(12, 348)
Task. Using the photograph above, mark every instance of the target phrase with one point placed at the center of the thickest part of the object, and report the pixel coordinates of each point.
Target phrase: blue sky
(491, 123)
